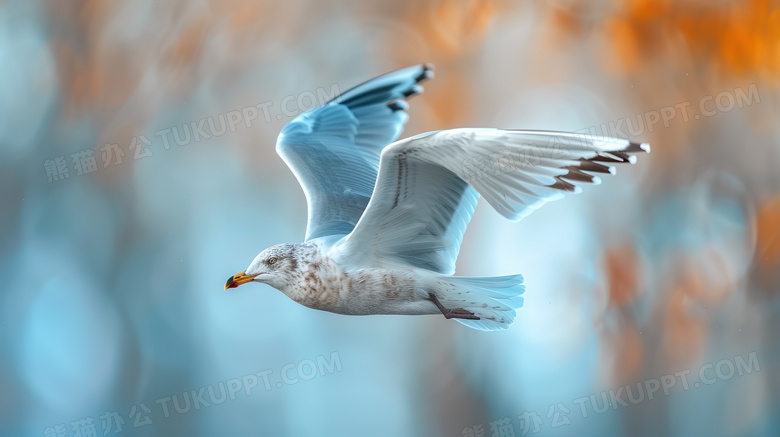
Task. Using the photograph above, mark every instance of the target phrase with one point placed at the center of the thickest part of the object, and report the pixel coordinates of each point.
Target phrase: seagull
(386, 218)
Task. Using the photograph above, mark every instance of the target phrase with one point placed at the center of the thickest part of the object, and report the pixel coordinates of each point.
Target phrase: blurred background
(139, 172)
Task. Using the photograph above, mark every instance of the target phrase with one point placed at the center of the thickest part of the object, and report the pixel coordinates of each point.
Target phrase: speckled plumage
(308, 275)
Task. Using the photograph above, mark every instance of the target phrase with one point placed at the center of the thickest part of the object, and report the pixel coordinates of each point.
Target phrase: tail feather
(492, 299)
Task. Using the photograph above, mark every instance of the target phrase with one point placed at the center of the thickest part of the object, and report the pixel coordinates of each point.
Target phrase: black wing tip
(413, 90)
(637, 148)
(592, 166)
(600, 163)
(564, 185)
(426, 73)
(403, 89)
(576, 174)
(596, 165)
(626, 154)
(398, 105)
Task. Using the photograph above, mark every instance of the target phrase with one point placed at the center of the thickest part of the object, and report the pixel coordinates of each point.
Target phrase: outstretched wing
(334, 149)
(427, 187)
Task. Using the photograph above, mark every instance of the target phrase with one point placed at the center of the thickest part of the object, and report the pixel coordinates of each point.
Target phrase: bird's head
(274, 266)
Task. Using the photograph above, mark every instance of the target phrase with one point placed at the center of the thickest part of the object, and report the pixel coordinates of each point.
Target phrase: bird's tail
(492, 299)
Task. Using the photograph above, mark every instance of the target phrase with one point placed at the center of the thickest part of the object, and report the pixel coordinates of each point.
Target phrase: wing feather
(428, 186)
(333, 149)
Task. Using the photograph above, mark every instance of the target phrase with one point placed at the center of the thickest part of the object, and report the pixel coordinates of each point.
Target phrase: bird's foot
(460, 313)
(455, 313)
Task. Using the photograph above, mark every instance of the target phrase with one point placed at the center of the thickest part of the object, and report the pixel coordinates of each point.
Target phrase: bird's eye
(272, 260)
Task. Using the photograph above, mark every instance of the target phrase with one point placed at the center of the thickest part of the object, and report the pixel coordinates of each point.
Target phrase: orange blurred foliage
(450, 27)
(623, 352)
(646, 10)
(768, 235)
(622, 269)
(734, 36)
(686, 332)
(737, 38)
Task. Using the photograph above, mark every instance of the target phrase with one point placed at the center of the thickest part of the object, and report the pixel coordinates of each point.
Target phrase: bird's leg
(455, 313)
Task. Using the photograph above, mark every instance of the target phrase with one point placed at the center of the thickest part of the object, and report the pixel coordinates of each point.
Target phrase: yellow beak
(238, 279)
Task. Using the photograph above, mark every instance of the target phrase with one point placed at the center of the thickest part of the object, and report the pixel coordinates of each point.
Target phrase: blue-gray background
(112, 275)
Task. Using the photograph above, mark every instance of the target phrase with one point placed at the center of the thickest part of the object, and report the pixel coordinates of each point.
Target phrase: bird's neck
(315, 281)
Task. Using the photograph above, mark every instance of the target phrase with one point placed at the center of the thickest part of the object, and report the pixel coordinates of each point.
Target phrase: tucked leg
(455, 313)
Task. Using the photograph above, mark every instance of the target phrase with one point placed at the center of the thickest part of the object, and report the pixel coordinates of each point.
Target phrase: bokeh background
(112, 274)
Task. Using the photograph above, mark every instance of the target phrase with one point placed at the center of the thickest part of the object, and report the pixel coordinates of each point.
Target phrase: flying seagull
(386, 217)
